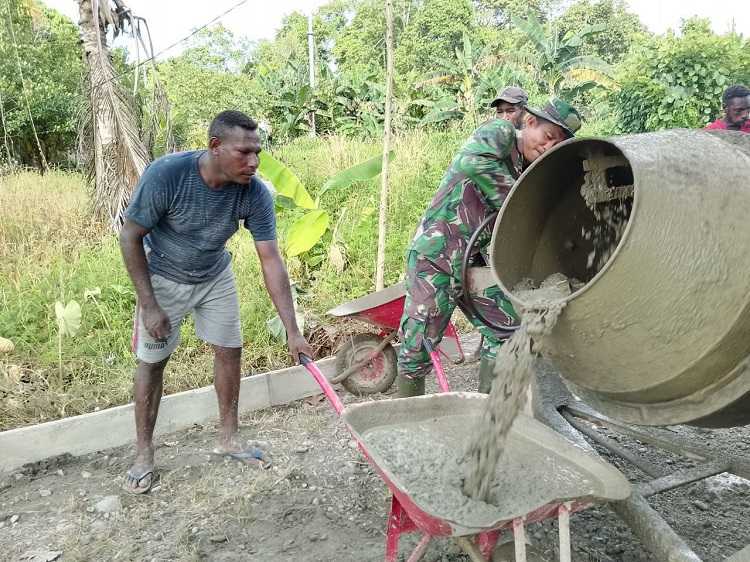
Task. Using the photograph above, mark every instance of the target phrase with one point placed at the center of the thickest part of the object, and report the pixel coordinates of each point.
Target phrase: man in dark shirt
(736, 103)
(185, 208)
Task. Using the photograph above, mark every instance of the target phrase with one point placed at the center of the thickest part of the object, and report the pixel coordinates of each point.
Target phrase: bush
(677, 81)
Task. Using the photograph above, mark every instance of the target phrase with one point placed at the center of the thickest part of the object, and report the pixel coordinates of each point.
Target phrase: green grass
(50, 250)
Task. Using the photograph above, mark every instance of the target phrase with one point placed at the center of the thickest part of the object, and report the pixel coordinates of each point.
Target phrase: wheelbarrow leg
(519, 539)
(438, 365)
(563, 527)
(486, 542)
(399, 522)
(393, 531)
(419, 551)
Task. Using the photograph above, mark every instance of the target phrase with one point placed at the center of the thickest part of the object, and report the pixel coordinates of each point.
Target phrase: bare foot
(228, 443)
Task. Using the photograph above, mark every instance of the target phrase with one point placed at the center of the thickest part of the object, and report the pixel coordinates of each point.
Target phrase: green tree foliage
(359, 47)
(451, 56)
(50, 63)
(433, 34)
(621, 27)
(205, 80)
(677, 81)
(500, 13)
(469, 84)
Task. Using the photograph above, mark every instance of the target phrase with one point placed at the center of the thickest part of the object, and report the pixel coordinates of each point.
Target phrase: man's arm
(277, 284)
(131, 244)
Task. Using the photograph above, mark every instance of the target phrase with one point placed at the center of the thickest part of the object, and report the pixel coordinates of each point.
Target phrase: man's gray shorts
(215, 308)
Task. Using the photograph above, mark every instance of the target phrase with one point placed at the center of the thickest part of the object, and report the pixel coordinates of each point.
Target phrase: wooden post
(311, 65)
(380, 264)
(5, 133)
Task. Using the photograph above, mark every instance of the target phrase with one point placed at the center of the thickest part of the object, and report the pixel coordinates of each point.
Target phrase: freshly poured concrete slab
(113, 427)
(419, 445)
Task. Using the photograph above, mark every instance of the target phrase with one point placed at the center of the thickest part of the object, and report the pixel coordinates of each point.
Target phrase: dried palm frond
(157, 122)
(111, 131)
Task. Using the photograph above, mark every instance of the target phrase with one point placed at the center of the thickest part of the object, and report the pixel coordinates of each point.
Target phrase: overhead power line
(157, 55)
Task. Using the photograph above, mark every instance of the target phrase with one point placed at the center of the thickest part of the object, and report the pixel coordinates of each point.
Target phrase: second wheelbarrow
(366, 364)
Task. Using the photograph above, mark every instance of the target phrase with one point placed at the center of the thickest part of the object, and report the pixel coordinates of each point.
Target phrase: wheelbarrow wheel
(375, 376)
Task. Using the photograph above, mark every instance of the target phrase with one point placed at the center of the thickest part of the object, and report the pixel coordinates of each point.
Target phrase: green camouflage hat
(560, 113)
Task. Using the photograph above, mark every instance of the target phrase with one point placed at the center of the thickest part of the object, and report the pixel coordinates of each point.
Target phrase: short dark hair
(736, 91)
(227, 120)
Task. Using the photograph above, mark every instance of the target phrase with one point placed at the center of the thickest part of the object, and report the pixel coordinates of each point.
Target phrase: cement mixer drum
(658, 332)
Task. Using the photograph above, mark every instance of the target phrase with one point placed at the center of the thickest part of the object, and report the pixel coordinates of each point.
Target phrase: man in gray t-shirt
(185, 208)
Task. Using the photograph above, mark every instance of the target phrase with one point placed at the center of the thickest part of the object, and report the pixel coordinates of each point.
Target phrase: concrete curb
(113, 427)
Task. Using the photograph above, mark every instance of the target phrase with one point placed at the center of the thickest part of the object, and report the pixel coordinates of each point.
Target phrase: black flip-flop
(137, 478)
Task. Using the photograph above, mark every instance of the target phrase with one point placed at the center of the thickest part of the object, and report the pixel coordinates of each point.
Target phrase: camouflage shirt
(475, 185)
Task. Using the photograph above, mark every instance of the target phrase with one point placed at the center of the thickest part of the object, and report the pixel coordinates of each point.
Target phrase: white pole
(311, 64)
(380, 262)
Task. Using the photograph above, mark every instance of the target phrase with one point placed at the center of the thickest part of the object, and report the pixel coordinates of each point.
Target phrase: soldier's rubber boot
(486, 375)
(408, 387)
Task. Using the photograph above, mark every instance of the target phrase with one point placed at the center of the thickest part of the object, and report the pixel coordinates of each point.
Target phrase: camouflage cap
(511, 94)
(561, 113)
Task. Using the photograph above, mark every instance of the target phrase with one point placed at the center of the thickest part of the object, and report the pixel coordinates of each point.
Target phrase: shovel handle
(322, 381)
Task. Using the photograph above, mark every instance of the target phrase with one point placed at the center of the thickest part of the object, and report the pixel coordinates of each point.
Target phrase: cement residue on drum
(426, 460)
(513, 371)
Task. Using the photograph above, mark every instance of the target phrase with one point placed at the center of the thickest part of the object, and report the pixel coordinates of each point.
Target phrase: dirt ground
(319, 501)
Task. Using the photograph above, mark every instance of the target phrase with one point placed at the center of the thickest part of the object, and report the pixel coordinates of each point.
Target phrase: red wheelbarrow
(542, 474)
(366, 364)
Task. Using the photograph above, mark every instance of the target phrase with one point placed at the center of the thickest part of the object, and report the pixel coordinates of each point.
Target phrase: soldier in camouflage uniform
(475, 186)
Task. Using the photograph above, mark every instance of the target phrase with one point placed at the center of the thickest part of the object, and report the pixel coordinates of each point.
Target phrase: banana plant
(473, 78)
(68, 318)
(307, 230)
(554, 58)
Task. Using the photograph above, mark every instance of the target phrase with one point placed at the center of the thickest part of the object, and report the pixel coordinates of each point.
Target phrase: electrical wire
(157, 55)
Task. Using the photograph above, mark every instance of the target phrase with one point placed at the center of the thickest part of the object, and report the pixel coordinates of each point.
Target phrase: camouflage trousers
(431, 295)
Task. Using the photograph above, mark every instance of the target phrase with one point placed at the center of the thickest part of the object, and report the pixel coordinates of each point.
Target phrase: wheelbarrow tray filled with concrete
(417, 444)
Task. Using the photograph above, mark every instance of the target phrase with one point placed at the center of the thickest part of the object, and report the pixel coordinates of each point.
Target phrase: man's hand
(156, 321)
(298, 344)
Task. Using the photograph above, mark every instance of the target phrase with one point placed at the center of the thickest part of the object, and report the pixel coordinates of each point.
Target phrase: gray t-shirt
(190, 223)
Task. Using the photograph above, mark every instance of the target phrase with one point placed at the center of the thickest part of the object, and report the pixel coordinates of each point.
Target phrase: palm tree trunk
(110, 140)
